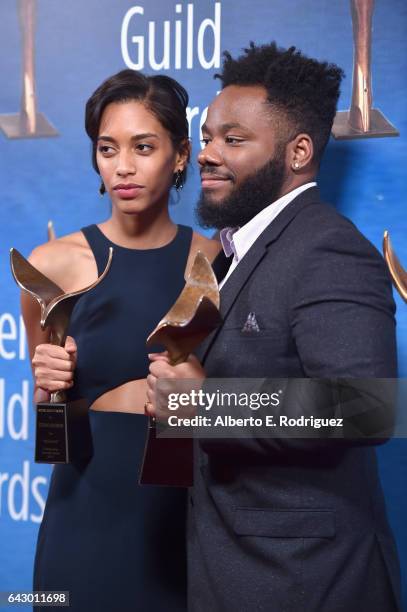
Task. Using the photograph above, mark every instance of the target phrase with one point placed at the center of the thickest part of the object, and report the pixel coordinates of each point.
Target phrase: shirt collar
(245, 236)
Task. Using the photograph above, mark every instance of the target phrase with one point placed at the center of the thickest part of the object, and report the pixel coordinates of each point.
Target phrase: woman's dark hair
(162, 95)
(302, 90)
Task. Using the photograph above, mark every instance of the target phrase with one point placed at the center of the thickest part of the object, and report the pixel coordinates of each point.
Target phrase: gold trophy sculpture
(362, 121)
(62, 427)
(50, 231)
(168, 461)
(28, 123)
(397, 272)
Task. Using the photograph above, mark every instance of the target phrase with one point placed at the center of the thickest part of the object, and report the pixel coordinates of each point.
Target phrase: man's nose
(210, 155)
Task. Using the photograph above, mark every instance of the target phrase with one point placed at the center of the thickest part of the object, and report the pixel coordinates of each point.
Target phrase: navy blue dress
(113, 544)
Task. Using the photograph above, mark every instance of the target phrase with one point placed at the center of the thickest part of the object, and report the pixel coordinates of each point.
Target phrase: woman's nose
(126, 163)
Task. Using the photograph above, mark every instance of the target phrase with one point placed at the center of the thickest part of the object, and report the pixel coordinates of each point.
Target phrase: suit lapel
(253, 257)
(221, 265)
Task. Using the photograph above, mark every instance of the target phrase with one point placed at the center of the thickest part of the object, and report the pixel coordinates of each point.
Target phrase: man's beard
(255, 193)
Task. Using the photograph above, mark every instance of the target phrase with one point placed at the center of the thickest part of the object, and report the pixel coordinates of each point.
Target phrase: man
(282, 524)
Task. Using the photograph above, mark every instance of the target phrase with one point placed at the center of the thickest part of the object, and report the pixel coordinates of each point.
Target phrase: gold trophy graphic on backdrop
(397, 272)
(28, 123)
(362, 120)
(62, 427)
(195, 314)
(50, 231)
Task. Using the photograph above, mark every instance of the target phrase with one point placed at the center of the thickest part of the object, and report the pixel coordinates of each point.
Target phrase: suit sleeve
(343, 310)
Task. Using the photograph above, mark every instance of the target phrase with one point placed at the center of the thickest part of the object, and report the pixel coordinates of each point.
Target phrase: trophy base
(16, 126)
(167, 462)
(380, 127)
(63, 432)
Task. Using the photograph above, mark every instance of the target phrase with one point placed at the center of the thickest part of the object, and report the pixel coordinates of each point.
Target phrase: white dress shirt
(246, 235)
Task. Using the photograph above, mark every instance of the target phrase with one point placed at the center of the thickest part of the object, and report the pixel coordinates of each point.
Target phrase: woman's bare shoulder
(62, 258)
(208, 246)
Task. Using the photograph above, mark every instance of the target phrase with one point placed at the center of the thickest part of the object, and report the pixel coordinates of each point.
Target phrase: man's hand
(160, 368)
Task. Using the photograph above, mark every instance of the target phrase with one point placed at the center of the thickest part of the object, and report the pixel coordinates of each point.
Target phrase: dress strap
(98, 244)
(185, 236)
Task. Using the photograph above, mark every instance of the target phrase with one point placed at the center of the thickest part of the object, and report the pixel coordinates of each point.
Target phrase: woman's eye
(204, 141)
(144, 148)
(105, 149)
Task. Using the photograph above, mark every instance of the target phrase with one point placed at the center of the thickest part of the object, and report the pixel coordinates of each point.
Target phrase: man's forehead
(238, 106)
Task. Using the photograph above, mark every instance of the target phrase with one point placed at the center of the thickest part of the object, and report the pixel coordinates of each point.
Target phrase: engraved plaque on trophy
(62, 427)
(195, 314)
(28, 123)
(362, 120)
(397, 272)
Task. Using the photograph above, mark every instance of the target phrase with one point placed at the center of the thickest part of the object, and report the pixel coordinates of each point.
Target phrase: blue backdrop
(78, 44)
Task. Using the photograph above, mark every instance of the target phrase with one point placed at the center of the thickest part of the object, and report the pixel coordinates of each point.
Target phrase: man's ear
(300, 153)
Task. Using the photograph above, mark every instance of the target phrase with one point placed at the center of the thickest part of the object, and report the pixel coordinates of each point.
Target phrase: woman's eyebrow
(135, 137)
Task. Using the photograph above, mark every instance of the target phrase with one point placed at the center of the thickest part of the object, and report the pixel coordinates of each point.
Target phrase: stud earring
(295, 165)
(102, 189)
(178, 181)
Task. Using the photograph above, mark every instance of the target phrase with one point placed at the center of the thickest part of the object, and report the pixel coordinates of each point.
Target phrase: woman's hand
(53, 368)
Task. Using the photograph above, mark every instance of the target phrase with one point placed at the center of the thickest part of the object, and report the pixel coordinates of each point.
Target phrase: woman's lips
(128, 192)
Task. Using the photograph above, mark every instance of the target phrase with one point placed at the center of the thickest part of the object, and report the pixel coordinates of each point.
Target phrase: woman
(111, 543)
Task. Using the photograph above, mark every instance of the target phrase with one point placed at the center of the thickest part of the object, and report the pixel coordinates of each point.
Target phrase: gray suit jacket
(297, 525)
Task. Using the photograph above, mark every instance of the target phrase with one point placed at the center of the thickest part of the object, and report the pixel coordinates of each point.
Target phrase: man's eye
(205, 141)
(233, 140)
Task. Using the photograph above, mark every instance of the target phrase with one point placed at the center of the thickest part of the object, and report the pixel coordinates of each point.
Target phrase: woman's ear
(183, 155)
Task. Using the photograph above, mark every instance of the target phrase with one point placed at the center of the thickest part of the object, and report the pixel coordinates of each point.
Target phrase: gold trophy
(51, 231)
(362, 121)
(397, 272)
(195, 314)
(28, 123)
(62, 427)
